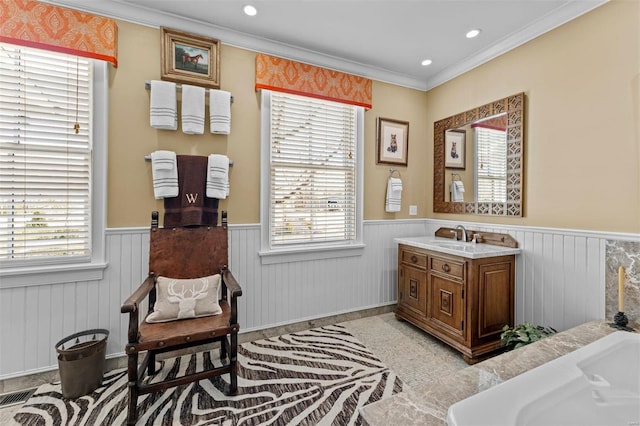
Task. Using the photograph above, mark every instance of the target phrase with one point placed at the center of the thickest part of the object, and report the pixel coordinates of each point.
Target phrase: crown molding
(120, 9)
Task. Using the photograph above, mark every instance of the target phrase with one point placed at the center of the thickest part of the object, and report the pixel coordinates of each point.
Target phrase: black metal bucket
(81, 365)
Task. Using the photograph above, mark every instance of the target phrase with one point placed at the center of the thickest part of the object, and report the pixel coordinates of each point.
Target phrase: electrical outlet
(413, 210)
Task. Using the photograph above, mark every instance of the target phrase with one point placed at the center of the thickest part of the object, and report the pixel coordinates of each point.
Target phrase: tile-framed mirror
(505, 181)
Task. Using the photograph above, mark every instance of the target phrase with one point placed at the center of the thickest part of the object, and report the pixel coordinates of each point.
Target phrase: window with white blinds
(313, 155)
(45, 164)
(491, 154)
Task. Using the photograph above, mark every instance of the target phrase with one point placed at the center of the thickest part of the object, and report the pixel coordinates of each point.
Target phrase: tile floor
(413, 355)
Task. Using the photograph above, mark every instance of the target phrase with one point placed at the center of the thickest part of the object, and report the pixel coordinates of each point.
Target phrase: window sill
(269, 257)
(51, 274)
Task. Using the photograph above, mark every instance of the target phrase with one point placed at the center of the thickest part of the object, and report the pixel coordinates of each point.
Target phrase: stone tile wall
(627, 254)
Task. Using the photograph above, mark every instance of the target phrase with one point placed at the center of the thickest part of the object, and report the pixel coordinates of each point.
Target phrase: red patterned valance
(45, 26)
(495, 123)
(284, 75)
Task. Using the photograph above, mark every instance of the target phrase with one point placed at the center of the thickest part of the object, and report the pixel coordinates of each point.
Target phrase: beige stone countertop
(428, 403)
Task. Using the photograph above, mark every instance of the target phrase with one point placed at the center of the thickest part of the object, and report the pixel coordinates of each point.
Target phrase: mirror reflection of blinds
(45, 166)
(491, 149)
(313, 170)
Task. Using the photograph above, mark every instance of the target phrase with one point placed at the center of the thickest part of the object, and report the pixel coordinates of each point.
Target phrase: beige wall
(398, 103)
(130, 192)
(582, 156)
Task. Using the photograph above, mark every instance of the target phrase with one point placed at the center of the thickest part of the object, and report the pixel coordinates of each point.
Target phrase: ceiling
(384, 40)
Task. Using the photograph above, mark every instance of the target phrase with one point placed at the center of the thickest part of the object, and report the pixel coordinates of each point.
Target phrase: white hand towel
(165, 174)
(220, 111)
(163, 105)
(457, 191)
(193, 109)
(218, 176)
(393, 201)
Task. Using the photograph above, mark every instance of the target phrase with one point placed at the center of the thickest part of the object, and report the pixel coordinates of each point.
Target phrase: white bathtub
(598, 384)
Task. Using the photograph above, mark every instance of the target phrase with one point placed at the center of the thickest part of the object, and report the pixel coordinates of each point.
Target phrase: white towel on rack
(393, 201)
(220, 111)
(163, 105)
(164, 169)
(218, 176)
(457, 191)
(193, 109)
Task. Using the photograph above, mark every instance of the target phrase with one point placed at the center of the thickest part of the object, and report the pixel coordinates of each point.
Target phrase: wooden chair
(182, 253)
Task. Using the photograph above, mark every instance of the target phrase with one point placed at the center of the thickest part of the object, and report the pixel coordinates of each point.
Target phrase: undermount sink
(453, 244)
(457, 248)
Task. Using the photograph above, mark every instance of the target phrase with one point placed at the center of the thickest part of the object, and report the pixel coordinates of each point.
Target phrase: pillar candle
(621, 289)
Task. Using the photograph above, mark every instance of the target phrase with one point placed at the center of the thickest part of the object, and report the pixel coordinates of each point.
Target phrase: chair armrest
(233, 287)
(233, 291)
(131, 304)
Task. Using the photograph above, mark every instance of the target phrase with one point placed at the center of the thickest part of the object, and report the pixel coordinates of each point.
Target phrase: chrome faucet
(464, 233)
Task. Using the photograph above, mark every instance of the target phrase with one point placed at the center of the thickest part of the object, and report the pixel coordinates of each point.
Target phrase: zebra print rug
(319, 376)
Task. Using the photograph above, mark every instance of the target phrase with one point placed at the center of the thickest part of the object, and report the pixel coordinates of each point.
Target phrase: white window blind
(45, 167)
(491, 148)
(312, 171)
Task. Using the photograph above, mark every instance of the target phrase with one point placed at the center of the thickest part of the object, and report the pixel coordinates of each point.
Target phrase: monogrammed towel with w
(191, 206)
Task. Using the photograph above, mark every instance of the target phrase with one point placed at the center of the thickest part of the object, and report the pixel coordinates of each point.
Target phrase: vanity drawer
(412, 258)
(446, 266)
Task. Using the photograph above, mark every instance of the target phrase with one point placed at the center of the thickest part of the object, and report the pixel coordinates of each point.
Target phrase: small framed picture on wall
(455, 149)
(393, 142)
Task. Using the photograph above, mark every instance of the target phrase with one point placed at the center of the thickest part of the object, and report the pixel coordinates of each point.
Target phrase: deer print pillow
(192, 298)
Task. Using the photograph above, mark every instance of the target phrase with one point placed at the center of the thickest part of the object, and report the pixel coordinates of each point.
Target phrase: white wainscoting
(559, 282)
(33, 319)
(560, 274)
(283, 293)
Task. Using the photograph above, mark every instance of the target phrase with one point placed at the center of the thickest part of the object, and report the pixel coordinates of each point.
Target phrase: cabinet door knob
(414, 259)
(446, 268)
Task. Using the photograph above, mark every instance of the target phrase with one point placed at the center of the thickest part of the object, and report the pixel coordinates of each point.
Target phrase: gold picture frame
(393, 142)
(190, 58)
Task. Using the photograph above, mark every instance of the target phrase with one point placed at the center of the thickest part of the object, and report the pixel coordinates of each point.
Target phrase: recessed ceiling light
(250, 10)
(473, 33)
(426, 62)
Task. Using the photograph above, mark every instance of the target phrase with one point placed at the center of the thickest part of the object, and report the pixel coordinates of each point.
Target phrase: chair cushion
(185, 298)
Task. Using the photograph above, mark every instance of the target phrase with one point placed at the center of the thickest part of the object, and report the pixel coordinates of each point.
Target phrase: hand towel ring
(392, 171)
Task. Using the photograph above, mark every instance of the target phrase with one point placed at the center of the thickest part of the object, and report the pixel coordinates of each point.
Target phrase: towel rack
(147, 86)
(148, 158)
(453, 177)
(392, 171)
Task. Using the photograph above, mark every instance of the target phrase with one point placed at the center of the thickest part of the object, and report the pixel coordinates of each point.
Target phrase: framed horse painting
(190, 58)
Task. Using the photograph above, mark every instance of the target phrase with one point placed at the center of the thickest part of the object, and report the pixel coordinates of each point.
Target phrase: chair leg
(233, 361)
(223, 348)
(132, 371)
(151, 368)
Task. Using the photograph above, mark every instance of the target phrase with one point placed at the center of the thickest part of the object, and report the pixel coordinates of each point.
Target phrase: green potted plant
(523, 334)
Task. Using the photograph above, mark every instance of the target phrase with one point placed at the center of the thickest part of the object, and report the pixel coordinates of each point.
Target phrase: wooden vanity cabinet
(412, 283)
(463, 302)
